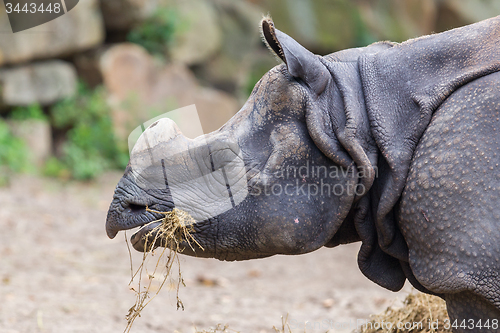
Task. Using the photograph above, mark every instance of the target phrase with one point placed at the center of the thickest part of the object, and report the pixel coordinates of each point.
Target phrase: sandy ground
(60, 273)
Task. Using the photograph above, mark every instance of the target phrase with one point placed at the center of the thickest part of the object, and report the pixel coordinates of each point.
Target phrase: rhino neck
(344, 112)
(349, 122)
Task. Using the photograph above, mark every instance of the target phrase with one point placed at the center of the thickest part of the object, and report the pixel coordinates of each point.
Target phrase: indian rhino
(394, 145)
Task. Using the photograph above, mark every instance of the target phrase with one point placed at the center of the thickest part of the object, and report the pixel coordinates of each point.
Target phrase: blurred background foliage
(65, 96)
(156, 34)
(89, 147)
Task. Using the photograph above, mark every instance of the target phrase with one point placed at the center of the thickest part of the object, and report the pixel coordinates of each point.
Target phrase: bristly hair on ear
(275, 49)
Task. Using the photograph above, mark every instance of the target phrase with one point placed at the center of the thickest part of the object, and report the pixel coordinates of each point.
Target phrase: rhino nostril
(134, 208)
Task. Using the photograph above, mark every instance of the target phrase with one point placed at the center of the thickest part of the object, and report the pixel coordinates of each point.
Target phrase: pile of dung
(176, 226)
(421, 313)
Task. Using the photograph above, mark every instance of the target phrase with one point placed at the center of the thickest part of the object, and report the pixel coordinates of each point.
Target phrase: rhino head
(258, 186)
(317, 156)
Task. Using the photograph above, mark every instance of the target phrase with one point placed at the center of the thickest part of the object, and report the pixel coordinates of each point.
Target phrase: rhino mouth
(145, 232)
(134, 215)
(130, 214)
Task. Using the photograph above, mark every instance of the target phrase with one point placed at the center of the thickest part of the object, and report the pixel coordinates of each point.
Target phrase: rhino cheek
(267, 225)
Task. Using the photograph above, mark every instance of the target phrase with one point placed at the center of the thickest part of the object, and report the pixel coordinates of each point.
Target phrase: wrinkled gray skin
(413, 127)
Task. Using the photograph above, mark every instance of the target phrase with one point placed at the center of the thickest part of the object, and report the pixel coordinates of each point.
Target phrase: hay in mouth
(172, 231)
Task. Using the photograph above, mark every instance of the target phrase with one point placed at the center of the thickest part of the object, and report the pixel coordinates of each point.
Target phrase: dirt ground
(60, 273)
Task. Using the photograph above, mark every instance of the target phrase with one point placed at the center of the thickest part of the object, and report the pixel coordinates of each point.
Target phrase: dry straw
(176, 226)
(418, 308)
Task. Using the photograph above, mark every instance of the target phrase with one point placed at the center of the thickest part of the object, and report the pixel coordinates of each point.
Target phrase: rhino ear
(301, 63)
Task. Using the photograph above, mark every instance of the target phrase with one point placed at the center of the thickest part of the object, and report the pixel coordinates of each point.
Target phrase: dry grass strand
(418, 308)
(176, 226)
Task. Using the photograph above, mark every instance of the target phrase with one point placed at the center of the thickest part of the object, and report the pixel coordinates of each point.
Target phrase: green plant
(55, 168)
(363, 35)
(33, 111)
(256, 73)
(157, 32)
(13, 153)
(90, 146)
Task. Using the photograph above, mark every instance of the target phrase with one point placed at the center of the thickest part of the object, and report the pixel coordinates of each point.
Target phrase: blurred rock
(79, 29)
(320, 25)
(37, 136)
(124, 14)
(39, 83)
(325, 26)
(229, 68)
(398, 20)
(217, 38)
(328, 303)
(128, 68)
(199, 36)
(457, 13)
(87, 66)
(215, 107)
(141, 88)
(254, 273)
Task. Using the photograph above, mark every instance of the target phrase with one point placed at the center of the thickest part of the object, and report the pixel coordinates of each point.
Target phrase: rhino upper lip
(136, 209)
(133, 211)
